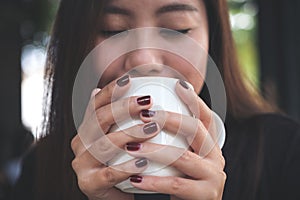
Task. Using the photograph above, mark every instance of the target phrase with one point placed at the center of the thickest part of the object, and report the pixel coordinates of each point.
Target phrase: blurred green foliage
(243, 16)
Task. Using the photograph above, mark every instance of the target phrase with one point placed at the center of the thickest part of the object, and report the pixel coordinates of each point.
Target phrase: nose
(144, 62)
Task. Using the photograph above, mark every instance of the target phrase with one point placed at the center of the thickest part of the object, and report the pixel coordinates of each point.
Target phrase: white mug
(162, 92)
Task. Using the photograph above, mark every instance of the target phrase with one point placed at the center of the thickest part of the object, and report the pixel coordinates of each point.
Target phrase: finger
(183, 160)
(108, 94)
(100, 121)
(104, 178)
(195, 104)
(121, 110)
(182, 127)
(77, 146)
(110, 145)
(89, 120)
(193, 130)
(180, 187)
(112, 91)
(175, 123)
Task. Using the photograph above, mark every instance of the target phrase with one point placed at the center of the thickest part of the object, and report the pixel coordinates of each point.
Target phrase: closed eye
(164, 32)
(184, 31)
(170, 32)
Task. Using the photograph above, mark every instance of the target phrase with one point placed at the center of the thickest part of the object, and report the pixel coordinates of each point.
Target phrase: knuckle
(99, 114)
(176, 185)
(186, 156)
(74, 142)
(102, 120)
(217, 186)
(107, 90)
(224, 176)
(125, 103)
(223, 162)
(214, 194)
(104, 145)
(84, 184)
(109, 176)
(75, 164)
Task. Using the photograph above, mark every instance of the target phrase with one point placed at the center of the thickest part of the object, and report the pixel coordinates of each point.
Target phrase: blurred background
(266, 33)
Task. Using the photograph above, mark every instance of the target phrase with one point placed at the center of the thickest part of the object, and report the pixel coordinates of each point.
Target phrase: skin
(97, 180)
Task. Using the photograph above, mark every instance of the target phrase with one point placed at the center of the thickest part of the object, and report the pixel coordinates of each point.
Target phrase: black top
(262, 157)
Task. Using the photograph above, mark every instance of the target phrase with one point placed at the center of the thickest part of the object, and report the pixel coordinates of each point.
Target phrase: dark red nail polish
(123, 81)
(150, 128)
(148, 113)
(184, 84)
(136, 179)
(141, 162)
(145, 100)
(133, 146)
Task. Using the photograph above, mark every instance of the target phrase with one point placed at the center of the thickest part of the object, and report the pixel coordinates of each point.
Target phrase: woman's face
(185, 16)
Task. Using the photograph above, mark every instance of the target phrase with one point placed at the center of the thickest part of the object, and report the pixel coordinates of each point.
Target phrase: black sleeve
(281, 172)
(291, 169)
(263, 159)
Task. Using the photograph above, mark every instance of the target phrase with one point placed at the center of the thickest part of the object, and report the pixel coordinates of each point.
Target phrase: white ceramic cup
(162, 92)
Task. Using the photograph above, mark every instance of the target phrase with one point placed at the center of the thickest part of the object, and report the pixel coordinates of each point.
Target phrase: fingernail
(133, 146)
(136, 179)
(184, 84)
(148, 113)
(145, 100)
(150, 128)
(141, 162)
(123, 81)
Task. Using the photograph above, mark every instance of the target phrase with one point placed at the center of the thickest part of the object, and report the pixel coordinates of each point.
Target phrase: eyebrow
(111, 9)
(175, 8)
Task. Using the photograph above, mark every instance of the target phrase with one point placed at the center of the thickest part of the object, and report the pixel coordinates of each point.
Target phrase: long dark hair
(72, 38)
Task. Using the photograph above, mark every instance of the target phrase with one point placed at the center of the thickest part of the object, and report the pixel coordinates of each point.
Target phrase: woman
(260, 151)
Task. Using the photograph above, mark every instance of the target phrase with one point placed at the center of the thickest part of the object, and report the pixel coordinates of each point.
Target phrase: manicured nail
(184, 84)
(148, 113)
(150, 128)
(123, 81)
(141, 162)
(145, 100)
(136, 179)
(133, 146)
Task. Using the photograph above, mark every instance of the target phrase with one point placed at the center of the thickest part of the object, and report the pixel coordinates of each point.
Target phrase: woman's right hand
(94, 145)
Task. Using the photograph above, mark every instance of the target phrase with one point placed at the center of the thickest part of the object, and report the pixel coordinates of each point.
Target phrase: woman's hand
(203, 165)
(93, 146)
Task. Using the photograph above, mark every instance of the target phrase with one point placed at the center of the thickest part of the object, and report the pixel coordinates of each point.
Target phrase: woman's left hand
(203, 164)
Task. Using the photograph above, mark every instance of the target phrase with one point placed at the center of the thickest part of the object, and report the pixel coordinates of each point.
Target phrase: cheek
(99, 40)
(200, 35)
(188, 72)
(112, 72)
